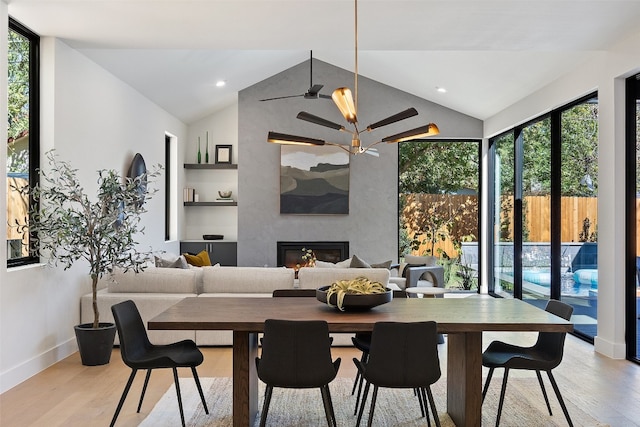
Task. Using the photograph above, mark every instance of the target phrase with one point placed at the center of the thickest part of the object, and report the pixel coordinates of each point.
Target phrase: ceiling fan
(348, 106)
(314, 90)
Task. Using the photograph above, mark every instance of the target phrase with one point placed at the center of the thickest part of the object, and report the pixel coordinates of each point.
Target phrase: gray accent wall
(371, 227)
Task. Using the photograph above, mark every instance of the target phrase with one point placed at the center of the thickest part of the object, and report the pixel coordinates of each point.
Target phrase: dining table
(463, 320)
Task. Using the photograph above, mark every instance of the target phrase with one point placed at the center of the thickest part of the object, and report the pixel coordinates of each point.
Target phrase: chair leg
(195, 377)
(355, 382)
(365, 394)
(502, 392)
(123, 397)
(432, 403)
(144, 389)
(177, 383)
(544, 391)
(559, 396)
(333, 414)
(373, 405)
(486, 384)
(265, 406)
(365, 358)
(423, 402)
(328, 406)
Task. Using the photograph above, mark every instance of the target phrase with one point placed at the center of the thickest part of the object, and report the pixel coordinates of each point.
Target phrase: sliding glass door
(544, 216)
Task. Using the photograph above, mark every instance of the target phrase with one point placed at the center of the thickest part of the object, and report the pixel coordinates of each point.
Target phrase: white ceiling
(488, 54)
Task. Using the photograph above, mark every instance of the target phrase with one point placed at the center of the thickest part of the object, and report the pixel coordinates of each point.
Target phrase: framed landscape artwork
(314, 180)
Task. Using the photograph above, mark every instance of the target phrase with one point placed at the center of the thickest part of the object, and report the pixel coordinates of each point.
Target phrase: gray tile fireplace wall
(371, 227)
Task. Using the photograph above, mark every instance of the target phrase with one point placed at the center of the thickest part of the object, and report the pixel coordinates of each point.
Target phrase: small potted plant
(68, 226)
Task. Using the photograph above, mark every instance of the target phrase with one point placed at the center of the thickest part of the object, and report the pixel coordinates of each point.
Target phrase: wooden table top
(453, 315)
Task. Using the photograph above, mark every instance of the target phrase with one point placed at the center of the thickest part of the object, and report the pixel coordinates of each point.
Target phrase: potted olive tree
(68, 227)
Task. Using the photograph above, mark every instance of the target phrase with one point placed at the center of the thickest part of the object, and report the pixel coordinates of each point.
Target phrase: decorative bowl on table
(355, 302)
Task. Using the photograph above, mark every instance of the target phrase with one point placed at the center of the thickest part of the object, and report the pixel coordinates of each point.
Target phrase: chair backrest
(296, 354)
(552, 343)
(294, 293)
(403, 354)
(133, 336)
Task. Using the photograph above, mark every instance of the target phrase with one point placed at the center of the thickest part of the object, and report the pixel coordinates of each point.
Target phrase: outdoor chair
(544, 355)
(297, 354)
(402, 355)
(138, 353)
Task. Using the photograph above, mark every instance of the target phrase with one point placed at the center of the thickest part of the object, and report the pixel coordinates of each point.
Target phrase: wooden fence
(537, 216)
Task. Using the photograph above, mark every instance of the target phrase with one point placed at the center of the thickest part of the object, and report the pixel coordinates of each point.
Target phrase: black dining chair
(362, 342)
(138, 353)
(279, 293)
(297, 354)
(402, 355)
(544, 355)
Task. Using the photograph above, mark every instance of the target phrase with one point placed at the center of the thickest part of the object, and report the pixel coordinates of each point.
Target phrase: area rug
(397, 408)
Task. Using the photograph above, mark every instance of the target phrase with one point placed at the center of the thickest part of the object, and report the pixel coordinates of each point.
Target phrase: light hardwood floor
(69, 394)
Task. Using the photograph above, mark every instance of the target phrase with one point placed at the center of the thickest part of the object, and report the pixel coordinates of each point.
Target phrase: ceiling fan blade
(421, 132)
(283, 138)
(303, 115)
(409, 112)
(282, 97)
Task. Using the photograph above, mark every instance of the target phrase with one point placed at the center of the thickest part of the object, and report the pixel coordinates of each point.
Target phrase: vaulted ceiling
(488, 54)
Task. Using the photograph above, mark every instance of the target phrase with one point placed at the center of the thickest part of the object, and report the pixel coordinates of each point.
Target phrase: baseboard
(610, 349)
(31, 367)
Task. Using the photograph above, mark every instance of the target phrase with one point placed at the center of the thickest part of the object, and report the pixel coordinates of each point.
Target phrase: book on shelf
(188, 194)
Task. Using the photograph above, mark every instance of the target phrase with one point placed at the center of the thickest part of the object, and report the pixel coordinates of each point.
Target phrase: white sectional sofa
(157, 289)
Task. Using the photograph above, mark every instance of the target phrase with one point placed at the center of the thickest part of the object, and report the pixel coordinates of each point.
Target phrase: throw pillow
(324, 264)
(344, 263)
(358, 263)
(179, 262)
(386, 264)
(199, 260)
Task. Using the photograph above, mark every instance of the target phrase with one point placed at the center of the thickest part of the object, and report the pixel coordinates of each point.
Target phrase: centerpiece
(354, 295)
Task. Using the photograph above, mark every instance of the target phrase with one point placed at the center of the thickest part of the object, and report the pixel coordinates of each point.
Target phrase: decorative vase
(199, 155)
(95, 345)
(206, 154)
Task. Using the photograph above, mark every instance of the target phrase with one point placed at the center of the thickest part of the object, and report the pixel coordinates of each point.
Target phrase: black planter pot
(95, 345)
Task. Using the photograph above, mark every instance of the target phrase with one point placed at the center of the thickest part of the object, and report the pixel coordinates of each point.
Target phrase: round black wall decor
(139, 169)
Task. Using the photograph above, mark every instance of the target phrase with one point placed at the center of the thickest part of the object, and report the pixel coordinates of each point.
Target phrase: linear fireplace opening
(290, 253)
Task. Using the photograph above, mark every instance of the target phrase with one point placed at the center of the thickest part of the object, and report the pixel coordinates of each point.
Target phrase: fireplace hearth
(290, 253)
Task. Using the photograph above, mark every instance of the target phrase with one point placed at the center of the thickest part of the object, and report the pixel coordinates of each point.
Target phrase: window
(22, 137)
(439, 184)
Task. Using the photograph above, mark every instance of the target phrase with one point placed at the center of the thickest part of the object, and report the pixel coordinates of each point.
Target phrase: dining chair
(362, 342)
(278, 293)
(402, 355)
(138, 353)
(544, 355)
(297, 354)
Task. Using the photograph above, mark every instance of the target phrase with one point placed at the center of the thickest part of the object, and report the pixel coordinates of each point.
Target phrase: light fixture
(347, 103)
(221, 83)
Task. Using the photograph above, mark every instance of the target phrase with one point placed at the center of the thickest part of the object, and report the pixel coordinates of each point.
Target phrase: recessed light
(441, 89)
(220, 83)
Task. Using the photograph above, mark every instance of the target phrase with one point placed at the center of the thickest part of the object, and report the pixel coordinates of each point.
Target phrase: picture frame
(224, 154)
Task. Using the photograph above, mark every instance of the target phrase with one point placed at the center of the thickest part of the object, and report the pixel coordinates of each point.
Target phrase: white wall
(605, 72)
(95, 121)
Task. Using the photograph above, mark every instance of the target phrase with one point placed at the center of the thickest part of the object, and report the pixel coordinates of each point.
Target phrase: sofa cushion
(246, 280)
(356, 262)
(155, 280)
(199, 260)
(340, 264)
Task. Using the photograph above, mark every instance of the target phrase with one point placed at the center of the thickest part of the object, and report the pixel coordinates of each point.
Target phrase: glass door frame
(632, 89)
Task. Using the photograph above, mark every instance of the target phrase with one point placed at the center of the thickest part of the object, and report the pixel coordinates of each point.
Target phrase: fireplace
(290, 253)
